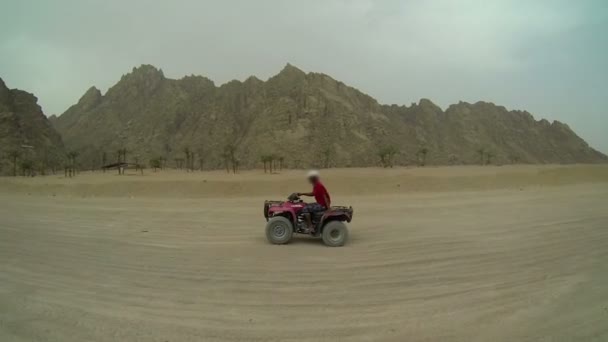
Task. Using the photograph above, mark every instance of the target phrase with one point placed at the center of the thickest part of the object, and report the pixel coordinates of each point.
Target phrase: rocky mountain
(309, 119)
(27, 138)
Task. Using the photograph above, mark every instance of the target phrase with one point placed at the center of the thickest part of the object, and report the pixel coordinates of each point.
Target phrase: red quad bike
(285, 218)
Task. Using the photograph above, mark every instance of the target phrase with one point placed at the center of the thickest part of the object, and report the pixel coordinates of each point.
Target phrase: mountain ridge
(309, 119)
(28, 141)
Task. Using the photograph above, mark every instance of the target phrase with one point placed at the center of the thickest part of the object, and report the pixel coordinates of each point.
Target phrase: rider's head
(313, 176)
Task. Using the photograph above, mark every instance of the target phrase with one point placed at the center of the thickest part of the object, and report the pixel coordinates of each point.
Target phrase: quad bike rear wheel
(335, 234)
(279, 230)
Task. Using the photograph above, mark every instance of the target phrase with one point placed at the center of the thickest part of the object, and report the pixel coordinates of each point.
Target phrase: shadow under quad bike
(285, 218)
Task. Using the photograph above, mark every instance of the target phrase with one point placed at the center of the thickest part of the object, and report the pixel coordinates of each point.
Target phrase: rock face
(309, 119)
(25, 133)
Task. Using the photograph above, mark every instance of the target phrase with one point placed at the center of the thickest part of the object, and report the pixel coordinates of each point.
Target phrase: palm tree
(121, 155)
(481, 151)
(72, 163)
(14, 155)
(27, 167)
(155, 164)
(226, 157)
(122, 158)
(452, 159)
(104, 160)
(489, 156)
(179, 163)
(422, 152)
(382, 157)
(235, 165)
(230, 156)
(188, 154)
(45, 162)
(201, 158)
(192, 159)
(275, 158)
(264, 159)
(327, 153)
(387, 155)
(270, 159)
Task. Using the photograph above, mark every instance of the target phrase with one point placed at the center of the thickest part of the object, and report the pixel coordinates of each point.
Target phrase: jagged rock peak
(92, 92)
(428, 104)
(144, 79)
(290, 70)
(479, 105)
(90, 98)
(232, 84)
(196, 83)
(252, 79)
(145, 73)
(193, 77)
(147, 69)
(560, 124)
(4, 92)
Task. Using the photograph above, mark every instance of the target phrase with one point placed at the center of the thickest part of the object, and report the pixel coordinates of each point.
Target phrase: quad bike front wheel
(335, 234)
(279, 230)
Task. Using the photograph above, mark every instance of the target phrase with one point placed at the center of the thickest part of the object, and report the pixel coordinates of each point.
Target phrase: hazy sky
(549, 57)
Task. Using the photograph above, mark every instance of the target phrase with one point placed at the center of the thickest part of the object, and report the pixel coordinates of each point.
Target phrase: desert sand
(517, 253)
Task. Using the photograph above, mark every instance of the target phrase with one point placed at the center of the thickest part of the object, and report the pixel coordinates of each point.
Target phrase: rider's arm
(305, 194)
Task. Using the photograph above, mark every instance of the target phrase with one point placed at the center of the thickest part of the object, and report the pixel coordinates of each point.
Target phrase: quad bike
(285, 218)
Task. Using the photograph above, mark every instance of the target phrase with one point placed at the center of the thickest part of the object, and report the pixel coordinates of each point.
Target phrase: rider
(323, 201)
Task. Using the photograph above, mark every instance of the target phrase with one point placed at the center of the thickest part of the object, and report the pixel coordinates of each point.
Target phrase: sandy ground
(441, 254)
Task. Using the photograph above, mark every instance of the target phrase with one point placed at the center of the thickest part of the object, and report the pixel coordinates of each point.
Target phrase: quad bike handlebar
(294, 197)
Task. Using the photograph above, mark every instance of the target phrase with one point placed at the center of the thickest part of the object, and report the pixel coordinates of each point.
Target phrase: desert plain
(468, 253)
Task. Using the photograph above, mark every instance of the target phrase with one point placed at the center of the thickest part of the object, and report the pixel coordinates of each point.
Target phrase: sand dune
(445, 254)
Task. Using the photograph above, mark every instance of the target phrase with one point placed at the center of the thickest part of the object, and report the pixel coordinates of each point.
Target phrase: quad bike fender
(287, 214)
(337, 214)
(273, 208)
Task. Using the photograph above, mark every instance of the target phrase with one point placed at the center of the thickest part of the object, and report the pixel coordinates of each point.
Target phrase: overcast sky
(549, 57)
